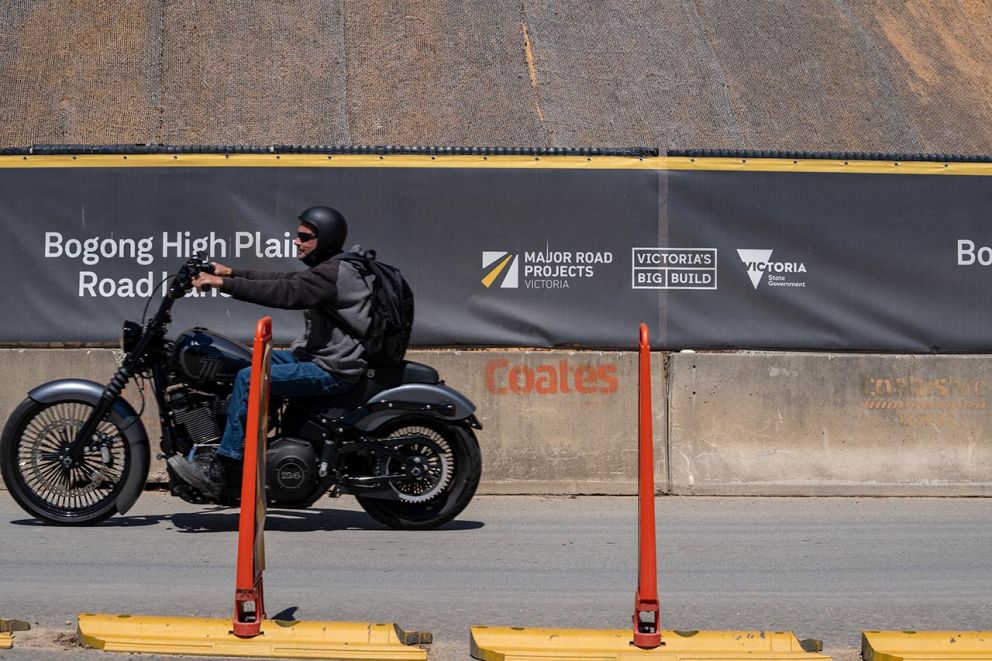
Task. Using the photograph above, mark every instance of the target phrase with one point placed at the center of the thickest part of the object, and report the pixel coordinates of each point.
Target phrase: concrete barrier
(555, 422)
(23, 369)
(818, 424)
(746, 423)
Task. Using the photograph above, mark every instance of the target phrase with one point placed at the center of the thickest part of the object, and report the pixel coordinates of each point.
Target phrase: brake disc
(429, 455)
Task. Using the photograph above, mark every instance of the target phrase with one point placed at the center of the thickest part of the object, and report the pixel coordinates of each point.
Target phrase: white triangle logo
(754, 260)
(490, 256)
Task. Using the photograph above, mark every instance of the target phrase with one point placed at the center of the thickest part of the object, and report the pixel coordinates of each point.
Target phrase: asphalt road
(823, 567)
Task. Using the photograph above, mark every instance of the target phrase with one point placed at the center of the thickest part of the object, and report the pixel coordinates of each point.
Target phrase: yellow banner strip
(495, 162)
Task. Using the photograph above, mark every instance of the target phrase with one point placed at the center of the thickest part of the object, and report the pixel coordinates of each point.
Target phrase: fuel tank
(203, 355)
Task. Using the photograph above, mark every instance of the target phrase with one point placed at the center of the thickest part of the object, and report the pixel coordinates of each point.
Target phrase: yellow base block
(926, 645)
(208, 636)
(7, 627)
(526, 644)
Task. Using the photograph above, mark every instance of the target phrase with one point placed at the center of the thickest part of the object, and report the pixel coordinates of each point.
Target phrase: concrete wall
(553, 421)
(816, 424)
(724, 423)
(23, 369)
(557, 422)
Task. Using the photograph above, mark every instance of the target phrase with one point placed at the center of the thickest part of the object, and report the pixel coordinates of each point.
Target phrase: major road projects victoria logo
(542, 269)
(500, 267)
(780, 274)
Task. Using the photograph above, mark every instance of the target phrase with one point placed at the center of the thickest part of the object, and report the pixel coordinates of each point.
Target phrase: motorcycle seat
(408, 371)
(377, 378)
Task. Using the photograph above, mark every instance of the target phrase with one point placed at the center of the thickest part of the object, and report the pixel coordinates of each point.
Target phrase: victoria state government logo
(780, 274)
(501, 267)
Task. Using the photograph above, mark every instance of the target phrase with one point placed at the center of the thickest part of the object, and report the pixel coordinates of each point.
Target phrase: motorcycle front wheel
(84, 493)
(451, 464)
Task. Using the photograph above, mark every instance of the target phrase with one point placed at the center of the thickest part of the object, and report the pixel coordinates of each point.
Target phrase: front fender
(424, 399)
(124, 417)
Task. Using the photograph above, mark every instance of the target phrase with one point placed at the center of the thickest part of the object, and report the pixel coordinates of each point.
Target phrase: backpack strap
(356, 259)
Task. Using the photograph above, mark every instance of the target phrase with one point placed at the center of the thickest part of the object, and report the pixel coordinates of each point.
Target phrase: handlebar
(194, 266)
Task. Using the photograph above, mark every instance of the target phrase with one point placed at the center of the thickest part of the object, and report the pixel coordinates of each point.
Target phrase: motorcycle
(401, 441)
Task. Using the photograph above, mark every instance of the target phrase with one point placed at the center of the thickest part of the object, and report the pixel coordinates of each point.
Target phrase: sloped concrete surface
(856, 75)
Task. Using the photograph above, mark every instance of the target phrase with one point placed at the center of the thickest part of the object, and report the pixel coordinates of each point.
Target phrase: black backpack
(391, 313)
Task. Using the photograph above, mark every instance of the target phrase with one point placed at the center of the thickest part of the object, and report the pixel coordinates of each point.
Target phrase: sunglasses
(305, 236)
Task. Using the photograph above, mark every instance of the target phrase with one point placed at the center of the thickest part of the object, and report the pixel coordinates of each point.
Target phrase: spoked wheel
(442, 463)
(46, 483)
(427, 458)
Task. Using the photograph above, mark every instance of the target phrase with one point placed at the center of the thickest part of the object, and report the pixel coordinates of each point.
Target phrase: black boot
(207, 475)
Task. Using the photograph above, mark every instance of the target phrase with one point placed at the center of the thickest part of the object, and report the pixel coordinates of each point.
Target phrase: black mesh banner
(816, 260)
(521, 252)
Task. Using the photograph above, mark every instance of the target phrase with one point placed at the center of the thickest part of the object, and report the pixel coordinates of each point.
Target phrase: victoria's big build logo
(780, 274)
(674, 268)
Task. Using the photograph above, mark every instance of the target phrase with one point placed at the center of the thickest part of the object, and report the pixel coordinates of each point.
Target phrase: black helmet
(331, 230)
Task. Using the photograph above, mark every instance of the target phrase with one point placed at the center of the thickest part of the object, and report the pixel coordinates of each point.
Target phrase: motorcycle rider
(326, 359)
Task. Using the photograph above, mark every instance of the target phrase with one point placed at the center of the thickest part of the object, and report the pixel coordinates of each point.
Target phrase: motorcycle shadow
(225, 519)
(309, 520)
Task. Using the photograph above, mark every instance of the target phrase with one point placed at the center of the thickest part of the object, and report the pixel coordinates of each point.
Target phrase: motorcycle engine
(198, 417)
(291, 471)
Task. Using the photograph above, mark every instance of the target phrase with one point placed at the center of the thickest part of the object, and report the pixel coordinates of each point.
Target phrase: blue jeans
(290, 378)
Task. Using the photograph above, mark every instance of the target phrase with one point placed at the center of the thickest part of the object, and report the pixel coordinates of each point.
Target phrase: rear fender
(123, 416)
(421, 399)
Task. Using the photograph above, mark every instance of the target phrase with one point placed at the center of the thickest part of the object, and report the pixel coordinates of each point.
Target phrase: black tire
(451, 499)
(38, 481)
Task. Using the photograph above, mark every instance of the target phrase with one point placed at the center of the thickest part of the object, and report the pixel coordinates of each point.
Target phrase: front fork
(73, 454)
(133, 362)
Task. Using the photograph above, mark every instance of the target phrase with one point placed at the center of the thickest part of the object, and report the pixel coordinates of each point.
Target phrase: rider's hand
(221, 270)
(204, 281)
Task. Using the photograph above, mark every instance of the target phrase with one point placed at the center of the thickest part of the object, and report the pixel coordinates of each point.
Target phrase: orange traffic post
(250, 634)
(249, 608)
(513, 643)
(647, 627)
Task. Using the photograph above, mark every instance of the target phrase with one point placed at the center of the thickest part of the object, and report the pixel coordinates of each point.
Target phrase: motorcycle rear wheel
(434, 510)
(84, 494)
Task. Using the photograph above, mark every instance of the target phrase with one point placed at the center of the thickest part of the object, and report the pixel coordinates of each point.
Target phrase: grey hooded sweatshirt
(331, 294)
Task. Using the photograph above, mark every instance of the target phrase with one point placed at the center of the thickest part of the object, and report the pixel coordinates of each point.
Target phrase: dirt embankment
(809, 74)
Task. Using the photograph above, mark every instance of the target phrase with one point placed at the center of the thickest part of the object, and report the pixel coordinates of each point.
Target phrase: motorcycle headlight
(130, 335)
